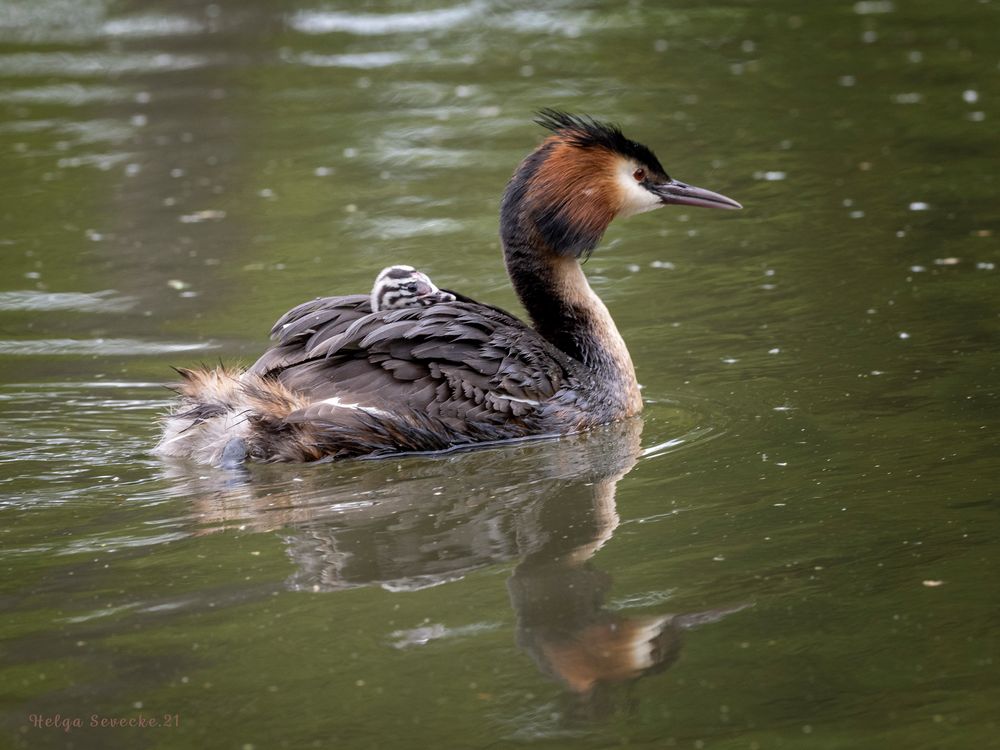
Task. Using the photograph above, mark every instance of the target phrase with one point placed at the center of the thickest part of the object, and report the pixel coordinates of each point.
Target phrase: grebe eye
(639, 174)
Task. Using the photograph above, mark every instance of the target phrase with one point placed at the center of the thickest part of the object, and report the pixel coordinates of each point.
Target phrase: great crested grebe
(342, 381)
(397, 287)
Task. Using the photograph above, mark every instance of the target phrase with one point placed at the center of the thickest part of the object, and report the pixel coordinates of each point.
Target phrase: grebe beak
(676, 192)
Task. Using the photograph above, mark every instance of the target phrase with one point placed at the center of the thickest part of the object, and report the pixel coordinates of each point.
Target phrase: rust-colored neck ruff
(554, 211)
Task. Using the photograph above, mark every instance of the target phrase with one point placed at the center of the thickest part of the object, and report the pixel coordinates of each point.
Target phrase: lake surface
(794, 547)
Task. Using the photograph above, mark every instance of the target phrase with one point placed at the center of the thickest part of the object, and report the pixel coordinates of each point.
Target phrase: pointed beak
(675, 192)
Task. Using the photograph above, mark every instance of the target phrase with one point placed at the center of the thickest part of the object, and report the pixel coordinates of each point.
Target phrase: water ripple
(106, 301)
(80, 65)
(374, 24)
(35, 347)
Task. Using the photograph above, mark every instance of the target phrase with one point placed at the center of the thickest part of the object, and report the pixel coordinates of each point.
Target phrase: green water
(797, 541)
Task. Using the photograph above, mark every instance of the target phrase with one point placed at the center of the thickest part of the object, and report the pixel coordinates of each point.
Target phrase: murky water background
(796, 544)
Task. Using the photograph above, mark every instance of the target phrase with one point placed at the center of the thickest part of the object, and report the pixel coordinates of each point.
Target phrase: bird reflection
(406, 524)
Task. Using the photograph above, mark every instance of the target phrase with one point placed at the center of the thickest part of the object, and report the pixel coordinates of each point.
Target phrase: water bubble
(970, 96)
(847, 81)
(904, 335)
(920, 206)
(909, 97)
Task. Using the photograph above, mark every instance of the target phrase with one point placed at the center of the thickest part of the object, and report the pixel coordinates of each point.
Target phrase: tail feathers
(221, 405)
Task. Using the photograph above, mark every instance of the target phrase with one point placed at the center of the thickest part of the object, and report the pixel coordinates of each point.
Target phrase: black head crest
(586, 132)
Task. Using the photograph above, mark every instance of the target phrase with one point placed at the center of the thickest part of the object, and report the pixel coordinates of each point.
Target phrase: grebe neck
(570, 315)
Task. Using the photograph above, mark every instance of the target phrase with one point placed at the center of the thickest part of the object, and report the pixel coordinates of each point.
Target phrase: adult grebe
(341, 381)
(397, 287)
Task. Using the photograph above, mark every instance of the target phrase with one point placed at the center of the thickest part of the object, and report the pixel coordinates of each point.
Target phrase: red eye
(639, 174)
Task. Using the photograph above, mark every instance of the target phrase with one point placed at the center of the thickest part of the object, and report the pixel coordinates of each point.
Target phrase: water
(795, 547)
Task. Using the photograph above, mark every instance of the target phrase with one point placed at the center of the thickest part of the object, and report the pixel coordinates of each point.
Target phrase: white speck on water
(139, 120)
(748, 46)
(177, 284)
(951, 261)
(265, 193)
(915, 56)
(933, 584)
(970, 96)
(730, 360)
(769, 272)
(847, 81)
(323, 171)
(918, 269)
(909, 97)
(661, 45)
(984, 265)
(719, 558)
(199, 216)
(775, 350)
(131, 170)
(770, 176)
(870, 36)
(527, 71)
(663, 264)
(871, 7)
(633, 268)
(904, 335)
(176, 172)
(920, 206)
(857, 214)
(900, 232)
(847, 202)
(350, 153)
(976, 116)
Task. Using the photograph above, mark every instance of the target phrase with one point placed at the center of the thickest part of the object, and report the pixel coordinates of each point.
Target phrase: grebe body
(345, 378)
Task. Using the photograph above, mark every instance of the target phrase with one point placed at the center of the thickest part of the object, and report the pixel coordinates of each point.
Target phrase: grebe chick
(343, 381)
(397, 287)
